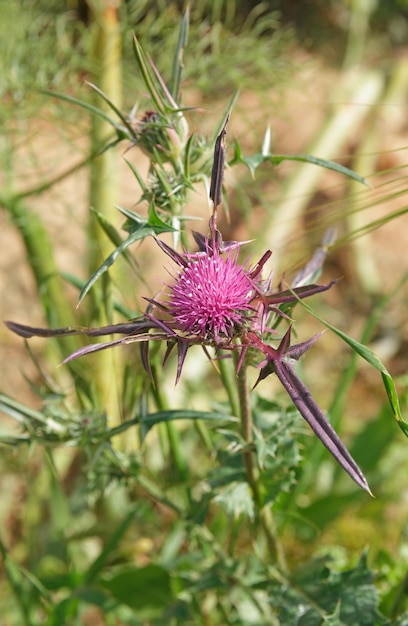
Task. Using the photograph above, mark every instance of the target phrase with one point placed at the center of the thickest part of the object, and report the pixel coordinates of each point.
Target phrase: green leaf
(371, 358)
(178, 57)
(107, 227)
(150, 79)
(318, 593)
(109, 261)
(140, 229)
(276, 447)
(30, 418)
(91, 595)
(131, 133)
(154, 225)
(254, 161)
(325, 510)
(373, 441)
(236, 499)
(95, 110)
(140, 587)
(333, 619)
(170, 416)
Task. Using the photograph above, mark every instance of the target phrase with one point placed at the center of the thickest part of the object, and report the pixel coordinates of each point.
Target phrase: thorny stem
(264, 512)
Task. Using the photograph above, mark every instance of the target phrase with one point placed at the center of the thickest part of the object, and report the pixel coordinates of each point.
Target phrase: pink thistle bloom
(211, 298)
(215, 301)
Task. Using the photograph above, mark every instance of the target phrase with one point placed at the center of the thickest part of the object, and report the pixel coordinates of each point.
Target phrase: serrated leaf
(153, 225)
(318, 593)
(255, 160)
(276, 449)
(236, 499)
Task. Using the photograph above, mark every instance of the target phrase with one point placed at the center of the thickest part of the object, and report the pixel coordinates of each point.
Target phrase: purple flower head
(214, 301)
(211, 298)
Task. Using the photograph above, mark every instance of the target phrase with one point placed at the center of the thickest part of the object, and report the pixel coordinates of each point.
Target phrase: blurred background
(328, 78)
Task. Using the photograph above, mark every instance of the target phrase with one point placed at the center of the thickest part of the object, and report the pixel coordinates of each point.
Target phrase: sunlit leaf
(178, 57)
(120, 130)
(255, 160)
(139, 228)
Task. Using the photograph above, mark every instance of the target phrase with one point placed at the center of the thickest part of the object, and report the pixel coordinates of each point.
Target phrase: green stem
(104, 184)
(275, 546)
(264, 512)
(229, 381)
(246, 428)
(50, 285)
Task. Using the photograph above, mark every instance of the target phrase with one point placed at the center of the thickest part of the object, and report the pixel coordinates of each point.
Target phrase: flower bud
(159, 138)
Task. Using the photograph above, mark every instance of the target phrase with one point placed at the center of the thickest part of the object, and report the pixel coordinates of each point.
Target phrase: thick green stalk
(40, 255)
(104, 188)
(50, 285)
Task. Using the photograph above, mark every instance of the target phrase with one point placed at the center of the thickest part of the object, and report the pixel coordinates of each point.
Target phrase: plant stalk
(264, 513)
(104, 186)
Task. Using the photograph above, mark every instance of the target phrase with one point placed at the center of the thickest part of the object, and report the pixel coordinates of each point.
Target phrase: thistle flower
(211, 298)
(214, 301)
